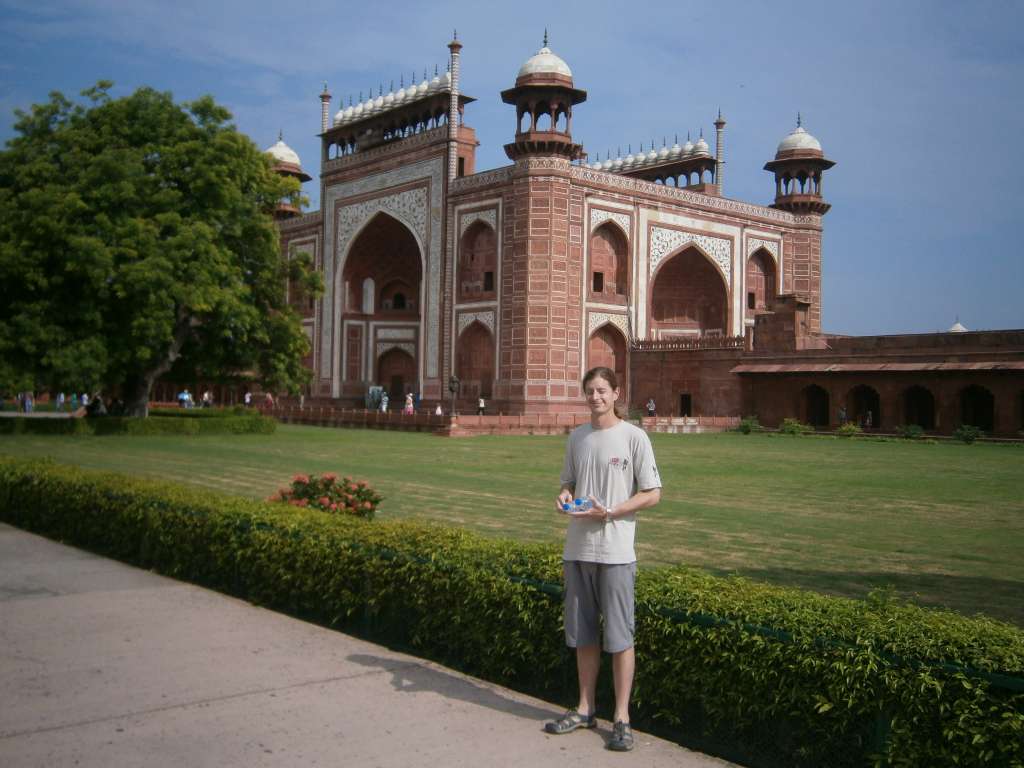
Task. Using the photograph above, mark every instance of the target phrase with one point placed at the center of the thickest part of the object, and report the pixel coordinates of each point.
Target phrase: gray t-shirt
(611, 465)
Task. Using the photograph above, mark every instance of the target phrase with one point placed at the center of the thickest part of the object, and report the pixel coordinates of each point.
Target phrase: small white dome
(617, 164)
(652, 156)
(435, 84)
(400, 96)
(339, 117)
(608, 165)
(676, 150)
(663, 153)
(389, 100)
(701, 147)
(446, 81)
(628, 161)
(798, 139)
(688, 148)
(283, 153)
(378, 103)
(957, 328)
(544, 62)
(422, 88)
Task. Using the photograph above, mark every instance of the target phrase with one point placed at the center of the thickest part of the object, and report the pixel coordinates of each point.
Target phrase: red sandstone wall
(703, 374)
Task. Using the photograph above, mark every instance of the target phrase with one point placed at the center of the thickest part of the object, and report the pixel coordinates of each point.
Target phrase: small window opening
(598, 282)
(685, 404)
(398, 302)
(751, 300)
(462, 166)
(488, 281)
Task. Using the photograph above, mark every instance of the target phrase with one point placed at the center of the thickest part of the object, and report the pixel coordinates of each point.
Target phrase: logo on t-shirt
(618, 463)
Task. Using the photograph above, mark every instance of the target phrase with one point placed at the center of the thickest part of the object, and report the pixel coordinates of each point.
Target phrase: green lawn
(941, 523)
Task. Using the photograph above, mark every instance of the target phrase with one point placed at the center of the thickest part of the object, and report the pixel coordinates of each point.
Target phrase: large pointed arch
(689, 294)
(760, 281)
(477, 270)
(353, 242)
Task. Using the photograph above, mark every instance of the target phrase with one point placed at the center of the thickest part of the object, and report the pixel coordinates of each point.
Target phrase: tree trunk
(137, 386)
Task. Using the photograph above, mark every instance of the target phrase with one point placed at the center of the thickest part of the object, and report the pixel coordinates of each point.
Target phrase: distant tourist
(268, 401)
(867, 420)
(408, 409)
(842, 415)
(652, 409)
(207, 399)
(384, 402)
(438, 411)
(481, 406)
(248, 399)
(60, 401)
(85, 399)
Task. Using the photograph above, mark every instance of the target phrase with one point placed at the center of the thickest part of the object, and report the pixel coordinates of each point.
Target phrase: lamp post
(453, 387)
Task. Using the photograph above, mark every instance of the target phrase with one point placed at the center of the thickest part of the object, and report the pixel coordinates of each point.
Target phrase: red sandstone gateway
(516, 280)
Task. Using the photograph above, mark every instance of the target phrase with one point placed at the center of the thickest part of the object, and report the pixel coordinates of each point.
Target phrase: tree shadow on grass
(411, 677)
(969, 595)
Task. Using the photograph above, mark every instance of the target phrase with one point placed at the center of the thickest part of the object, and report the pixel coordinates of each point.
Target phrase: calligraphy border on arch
(488, 217)
(596, 319)
(664, 241)
(466, 318)
(599, 216)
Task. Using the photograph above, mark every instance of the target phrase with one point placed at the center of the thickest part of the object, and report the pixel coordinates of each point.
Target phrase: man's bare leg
(588, 664)
(623, 666)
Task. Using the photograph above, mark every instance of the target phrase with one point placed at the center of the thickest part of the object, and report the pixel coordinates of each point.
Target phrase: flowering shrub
(327, 493)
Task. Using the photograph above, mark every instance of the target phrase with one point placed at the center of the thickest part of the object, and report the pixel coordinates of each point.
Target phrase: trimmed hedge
(251, 423)
(767, 675)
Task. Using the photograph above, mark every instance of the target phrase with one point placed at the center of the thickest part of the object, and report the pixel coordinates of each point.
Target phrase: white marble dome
(544, 62)
(799, 139)
(283, 153)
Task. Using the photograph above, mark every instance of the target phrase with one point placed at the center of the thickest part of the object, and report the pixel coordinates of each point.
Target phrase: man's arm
(636, 502)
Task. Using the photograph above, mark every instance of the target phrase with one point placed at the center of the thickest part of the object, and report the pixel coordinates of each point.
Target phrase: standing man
(609, 462)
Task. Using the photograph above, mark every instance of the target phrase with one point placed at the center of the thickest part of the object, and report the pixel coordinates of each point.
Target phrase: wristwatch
(607, 514)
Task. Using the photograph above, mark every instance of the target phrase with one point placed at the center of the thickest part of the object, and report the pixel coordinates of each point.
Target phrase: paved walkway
(106, 665)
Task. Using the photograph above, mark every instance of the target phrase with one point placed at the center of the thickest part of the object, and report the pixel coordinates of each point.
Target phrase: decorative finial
(435, 70)
(799, 120)
(350, 99)
(380, 89)
(545, 37)
(664, 143)
(677, 138)
(688, 136)
(455, 34)
(392, 88)
(401, 81)
(325, 86)
(719, 113)
(280, 134)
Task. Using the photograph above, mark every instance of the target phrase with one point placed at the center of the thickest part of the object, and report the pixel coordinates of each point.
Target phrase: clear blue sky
(919, 104)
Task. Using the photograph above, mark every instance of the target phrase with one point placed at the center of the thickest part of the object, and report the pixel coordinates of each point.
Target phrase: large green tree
(137, 233)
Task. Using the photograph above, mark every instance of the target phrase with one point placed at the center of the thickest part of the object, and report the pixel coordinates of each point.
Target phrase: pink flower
(301, 479)
(303, 503)
(329, 477)
(334, 507)
(324, 501)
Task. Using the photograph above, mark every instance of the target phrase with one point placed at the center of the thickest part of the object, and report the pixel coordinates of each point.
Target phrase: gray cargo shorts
(593, 590)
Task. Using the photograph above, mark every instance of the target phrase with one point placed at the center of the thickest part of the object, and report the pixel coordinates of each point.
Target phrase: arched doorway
(607, 347)
(382, 278)
(689, 295)
(919, 407)
(474, 361)
(609, 263)
(814, 406)
(864, 407)
(977, 407)
(396, 372)
(760, 283)
(478, 263)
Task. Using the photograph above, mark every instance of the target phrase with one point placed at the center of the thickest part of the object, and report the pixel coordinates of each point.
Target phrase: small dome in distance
(544, 62)
(283, 153)
(957, 327)
(798, 139)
